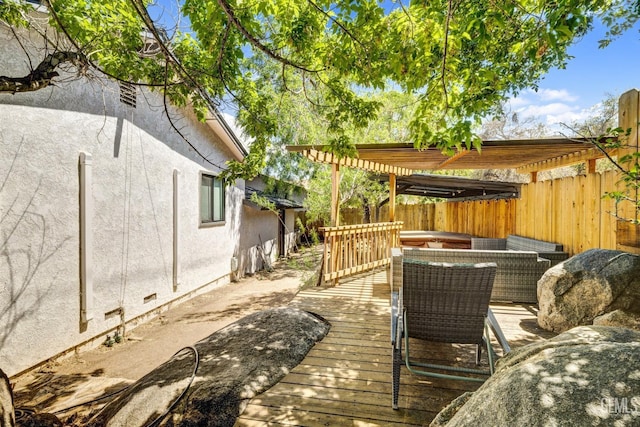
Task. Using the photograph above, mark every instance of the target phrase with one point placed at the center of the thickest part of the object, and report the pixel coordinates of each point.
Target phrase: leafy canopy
(459, 58)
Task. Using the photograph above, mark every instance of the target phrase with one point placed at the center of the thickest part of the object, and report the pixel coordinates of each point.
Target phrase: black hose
(165, 413)
(193, 375)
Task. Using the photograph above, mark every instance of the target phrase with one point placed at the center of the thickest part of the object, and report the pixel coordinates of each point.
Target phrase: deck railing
(351, 249)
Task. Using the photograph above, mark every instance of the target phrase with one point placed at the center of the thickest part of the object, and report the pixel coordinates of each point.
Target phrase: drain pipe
(86, 238)
(176, 230)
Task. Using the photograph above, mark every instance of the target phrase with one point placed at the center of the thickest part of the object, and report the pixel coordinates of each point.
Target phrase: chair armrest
(542, 265)
(397, 312)
(554, 257)
(396, 269)
(394, 316)
(497, 331)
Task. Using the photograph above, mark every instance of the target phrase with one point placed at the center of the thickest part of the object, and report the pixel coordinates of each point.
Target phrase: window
(211, 199)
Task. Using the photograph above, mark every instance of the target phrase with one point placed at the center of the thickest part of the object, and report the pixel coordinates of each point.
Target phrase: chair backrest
(447, 302)
(519, 243)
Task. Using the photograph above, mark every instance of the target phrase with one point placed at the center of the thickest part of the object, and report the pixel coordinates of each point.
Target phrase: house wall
(259, 238)
(290, 237)
(134, 153)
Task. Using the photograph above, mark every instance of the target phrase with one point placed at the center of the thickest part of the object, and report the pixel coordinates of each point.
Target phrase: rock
(235, 364)
(6, 402)
(586, 286)
(619, 318)
(26, 418)
(452, 408)
(588, 376)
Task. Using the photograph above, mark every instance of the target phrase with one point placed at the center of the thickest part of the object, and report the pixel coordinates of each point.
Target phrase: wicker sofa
(548, 250)
(516, 277)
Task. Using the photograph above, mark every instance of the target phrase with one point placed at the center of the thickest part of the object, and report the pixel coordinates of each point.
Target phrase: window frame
(214, 178)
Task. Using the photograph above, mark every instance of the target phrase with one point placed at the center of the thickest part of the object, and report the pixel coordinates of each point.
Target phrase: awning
(454, 187)
(279, 202)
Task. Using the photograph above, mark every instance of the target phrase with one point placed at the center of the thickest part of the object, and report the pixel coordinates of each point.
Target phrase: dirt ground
(57, 386)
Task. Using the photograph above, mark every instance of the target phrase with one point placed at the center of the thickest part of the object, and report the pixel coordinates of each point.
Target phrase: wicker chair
(443, 302)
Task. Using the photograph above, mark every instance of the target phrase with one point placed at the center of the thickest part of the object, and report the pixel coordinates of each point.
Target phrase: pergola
(401, 160)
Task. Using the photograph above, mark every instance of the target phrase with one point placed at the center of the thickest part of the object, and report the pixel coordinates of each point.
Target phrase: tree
(508, 124)
(357, 190)
(460, 58)
(600, 118)
(300, 125)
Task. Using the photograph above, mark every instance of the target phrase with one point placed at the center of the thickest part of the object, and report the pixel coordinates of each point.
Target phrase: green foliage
(263, 202)
(14, 13)
(460, 59)
(357, 189)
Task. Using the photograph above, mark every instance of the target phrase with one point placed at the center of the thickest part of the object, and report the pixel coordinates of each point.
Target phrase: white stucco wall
(290, 230)
(134, 154)
(260, 229)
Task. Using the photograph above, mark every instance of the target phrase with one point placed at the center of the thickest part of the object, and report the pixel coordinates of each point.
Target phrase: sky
(567, 95)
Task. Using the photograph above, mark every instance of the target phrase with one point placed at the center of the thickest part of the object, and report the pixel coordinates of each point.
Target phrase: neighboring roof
(454, 187)
(523, 155)
(279, 202)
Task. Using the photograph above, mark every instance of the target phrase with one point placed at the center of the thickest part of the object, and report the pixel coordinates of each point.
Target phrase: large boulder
(26, 418)
(210, 383)
(588, 285)
(588, 376)
(6, 402)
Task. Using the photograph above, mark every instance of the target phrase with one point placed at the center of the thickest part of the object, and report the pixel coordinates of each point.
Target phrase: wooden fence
(414, 216)
(571, 211)
(351, 249)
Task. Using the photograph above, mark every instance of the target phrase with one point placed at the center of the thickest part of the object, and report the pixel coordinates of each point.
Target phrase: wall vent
(150, 298)
(128, 94)
(113, 313)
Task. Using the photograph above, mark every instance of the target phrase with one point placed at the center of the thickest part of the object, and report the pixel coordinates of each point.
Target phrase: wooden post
(591, 166)
(392, 197)
(627, 234)
(335, 194)
(534, 176)
(628, 117)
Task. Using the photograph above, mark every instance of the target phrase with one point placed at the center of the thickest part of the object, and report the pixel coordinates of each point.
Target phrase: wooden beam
(329, 158)
(570, 159)
(335, 194)
(392, 197)
(453, 158)
(591, 166)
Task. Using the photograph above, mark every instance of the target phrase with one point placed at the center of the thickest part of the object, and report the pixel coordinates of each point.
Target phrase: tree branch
(41, 77)
(255, 42)
(338, 23)
(444, 55)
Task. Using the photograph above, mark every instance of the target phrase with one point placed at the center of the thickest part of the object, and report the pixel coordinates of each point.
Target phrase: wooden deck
(346, 378)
